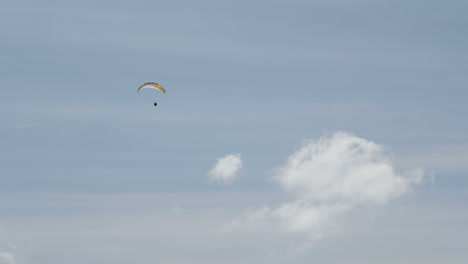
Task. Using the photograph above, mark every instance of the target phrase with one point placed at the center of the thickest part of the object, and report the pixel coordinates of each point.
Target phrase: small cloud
(226, 168)
(7, 258)
(6, 253)
(327, 178)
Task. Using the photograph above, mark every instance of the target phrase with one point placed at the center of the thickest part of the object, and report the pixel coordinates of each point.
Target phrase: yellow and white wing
(151, 85)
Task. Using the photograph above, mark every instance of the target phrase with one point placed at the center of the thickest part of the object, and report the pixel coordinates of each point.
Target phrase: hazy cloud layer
(327, 178)
(226, 168)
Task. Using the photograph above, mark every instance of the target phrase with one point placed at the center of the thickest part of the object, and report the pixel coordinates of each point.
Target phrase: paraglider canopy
(151, 85)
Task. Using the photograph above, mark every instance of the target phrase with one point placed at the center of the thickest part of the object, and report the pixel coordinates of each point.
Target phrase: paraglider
(152, 85)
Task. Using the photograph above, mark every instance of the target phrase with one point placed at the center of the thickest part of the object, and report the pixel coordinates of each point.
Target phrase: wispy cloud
(226, 168)
(441, 159)
(327, 178)
(6, 256)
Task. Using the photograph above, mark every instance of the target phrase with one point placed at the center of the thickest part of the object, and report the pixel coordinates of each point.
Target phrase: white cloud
(327, 178)
(226, 168)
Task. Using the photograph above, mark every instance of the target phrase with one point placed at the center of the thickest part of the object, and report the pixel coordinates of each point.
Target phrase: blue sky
(83, 153)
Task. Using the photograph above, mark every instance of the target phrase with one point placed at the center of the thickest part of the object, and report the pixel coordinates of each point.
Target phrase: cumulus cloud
(225, 169)
(327, 178)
